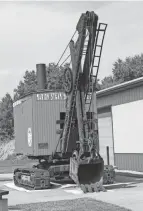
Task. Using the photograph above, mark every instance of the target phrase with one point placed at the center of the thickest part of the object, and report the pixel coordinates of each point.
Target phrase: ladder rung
(101, 30)
(103, 24)
(97, 56)
(99, 45)
(94, 75)
(95, 66)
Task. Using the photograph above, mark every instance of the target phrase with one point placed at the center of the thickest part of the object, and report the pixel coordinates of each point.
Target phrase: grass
(84, 204)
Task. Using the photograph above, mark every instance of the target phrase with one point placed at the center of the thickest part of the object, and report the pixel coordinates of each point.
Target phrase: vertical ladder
(96, 57)
(101, 28)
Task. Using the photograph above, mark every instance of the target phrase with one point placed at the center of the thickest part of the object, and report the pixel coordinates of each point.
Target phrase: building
(120, 113)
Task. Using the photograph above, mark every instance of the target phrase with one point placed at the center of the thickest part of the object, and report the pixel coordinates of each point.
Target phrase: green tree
(30, 81)
(108, 82)
(6, 118)
(55, 76)
(29, 84)
(129, 69)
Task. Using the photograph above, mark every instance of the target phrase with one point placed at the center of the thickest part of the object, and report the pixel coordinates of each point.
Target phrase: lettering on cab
(51, 96)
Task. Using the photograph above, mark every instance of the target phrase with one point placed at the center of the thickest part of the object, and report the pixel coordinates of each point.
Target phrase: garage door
(105, 136)
(128, 127)
(128, 135)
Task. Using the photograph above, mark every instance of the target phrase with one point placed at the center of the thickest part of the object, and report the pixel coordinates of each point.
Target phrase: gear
(68, 80)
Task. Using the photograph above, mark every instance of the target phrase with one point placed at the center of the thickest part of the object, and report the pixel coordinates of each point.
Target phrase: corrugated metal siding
(23, 120)
(121, 97)
(27, 123)
(129, 161)
(18, 129)
(45, 114)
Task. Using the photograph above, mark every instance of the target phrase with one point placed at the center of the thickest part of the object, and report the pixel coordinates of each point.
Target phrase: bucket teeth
(90, 188)
(84, 188)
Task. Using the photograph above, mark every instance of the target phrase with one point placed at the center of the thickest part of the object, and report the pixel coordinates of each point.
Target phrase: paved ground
(130, 196)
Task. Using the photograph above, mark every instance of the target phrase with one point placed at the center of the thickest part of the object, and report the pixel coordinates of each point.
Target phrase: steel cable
(65, 49)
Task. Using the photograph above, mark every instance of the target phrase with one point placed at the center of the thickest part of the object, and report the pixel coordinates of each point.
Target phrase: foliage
(129, 69)
(6, 118)
(29, 84)
(54, 77)
(108, 82)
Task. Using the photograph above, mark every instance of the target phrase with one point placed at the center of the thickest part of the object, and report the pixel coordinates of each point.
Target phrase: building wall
(23, 121)
(127, 128)
(128, 135)
(46, 111)
(129, 161)
(106, 135)
(119, 97)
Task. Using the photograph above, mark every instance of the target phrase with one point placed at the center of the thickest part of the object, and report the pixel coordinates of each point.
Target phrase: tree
(108, 82)
(6, 118)
(29, 84)
(55, 76)
(129, 69)
(30, 81)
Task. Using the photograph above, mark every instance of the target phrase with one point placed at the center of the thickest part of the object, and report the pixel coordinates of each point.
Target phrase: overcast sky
(38, 32)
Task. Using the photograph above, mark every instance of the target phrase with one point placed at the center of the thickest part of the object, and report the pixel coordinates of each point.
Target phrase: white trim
(121, 85)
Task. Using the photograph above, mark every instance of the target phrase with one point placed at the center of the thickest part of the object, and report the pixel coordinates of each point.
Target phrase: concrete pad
(78, 191)
(69, 186)
(108, 186)
(73, 191)
(20, 197)
(11, 185)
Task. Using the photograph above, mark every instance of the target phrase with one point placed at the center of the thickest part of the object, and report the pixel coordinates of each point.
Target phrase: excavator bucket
(89, 176)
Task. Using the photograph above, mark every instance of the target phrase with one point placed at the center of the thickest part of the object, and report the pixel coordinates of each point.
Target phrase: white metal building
(120, 113)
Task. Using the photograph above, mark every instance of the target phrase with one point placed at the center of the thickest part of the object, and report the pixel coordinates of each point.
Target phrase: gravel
(83, 204)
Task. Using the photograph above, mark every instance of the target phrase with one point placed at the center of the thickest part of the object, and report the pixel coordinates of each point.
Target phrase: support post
(3, 202)
(108, 159)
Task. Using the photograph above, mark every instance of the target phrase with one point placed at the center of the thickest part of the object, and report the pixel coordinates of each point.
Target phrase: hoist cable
(65, 49)
(65, 60)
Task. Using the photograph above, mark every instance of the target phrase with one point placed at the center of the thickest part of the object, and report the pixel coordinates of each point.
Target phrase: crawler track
(32, 179)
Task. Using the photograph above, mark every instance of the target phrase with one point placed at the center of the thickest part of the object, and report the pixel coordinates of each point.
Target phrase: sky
(38, 32)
